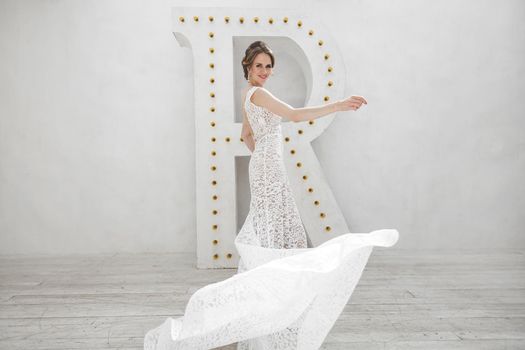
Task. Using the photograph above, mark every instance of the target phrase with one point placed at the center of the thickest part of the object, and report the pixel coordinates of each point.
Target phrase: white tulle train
(286, 298)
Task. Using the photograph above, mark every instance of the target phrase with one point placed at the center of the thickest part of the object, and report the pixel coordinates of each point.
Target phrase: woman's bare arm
(263, 98)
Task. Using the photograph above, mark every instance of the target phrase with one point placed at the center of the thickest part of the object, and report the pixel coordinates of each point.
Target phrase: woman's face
(261, 69)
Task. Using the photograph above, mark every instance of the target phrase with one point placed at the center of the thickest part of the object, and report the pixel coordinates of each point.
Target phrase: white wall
(97, 136)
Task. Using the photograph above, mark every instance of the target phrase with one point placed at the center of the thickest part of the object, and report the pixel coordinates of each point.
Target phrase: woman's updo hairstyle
(252, 51)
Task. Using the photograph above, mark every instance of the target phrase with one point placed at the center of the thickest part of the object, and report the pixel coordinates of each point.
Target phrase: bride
(284, 295)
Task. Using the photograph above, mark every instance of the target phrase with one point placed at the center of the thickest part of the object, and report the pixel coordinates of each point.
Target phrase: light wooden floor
(403, 300)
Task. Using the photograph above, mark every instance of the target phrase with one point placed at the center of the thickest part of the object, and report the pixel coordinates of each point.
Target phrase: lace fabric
(284, 295)
(273, 220)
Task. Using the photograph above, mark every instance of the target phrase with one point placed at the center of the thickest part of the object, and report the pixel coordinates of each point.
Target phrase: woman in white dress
(273, 220)
(285, 296)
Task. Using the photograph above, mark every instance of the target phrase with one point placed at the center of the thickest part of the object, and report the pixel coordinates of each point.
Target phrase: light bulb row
(316, 202)
(255, 19)
(216, 256)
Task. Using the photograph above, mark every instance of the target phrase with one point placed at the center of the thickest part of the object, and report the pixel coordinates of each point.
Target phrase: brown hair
(252, 51)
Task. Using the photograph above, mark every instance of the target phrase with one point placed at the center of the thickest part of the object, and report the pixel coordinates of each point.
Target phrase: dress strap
(249, 94)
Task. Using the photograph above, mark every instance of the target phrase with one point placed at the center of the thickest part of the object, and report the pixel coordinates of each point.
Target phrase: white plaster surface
(97, 129)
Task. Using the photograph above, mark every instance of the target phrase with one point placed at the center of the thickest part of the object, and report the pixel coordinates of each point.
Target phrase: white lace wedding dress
(273, 220)
(284, 296)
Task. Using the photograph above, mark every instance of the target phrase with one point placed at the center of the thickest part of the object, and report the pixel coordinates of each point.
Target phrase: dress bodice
(262, 121)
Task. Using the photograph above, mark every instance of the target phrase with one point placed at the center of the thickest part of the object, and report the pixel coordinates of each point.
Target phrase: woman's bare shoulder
(261, 94)
(258, 92)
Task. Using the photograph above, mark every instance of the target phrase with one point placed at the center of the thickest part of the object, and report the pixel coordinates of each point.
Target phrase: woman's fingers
(360, 98)
(354, 102)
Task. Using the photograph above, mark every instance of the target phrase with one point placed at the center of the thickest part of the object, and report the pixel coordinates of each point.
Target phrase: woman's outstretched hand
(351, 103)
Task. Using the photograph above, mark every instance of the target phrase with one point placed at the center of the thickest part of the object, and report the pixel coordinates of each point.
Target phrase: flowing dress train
(284, 295)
